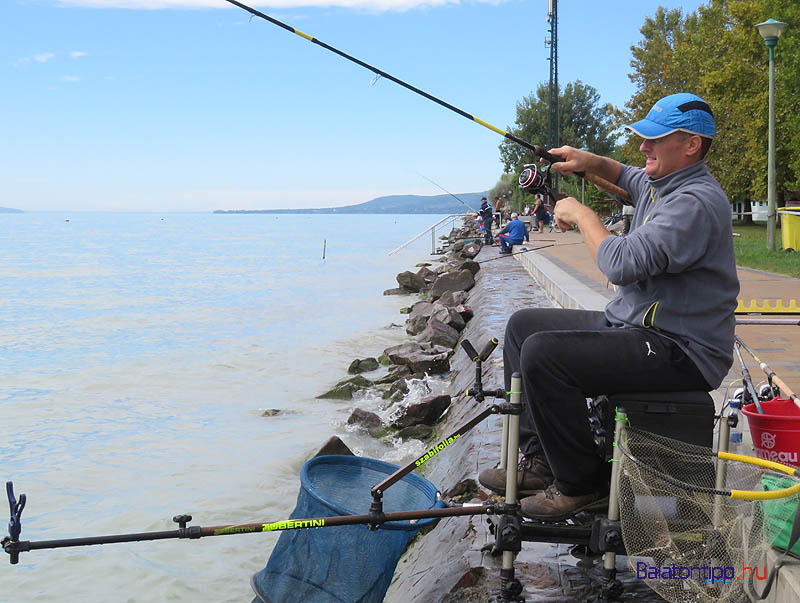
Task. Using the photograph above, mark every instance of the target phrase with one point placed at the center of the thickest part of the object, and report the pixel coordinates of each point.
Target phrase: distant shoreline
(392, 204)
(10, 210)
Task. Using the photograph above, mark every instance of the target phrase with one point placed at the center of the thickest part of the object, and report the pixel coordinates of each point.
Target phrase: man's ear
(694, 146)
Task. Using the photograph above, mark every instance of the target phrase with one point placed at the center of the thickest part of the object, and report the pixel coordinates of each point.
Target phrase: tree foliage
(718, 54)
(584, 123)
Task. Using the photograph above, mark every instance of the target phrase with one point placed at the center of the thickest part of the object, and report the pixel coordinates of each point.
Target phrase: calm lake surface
(137, 355)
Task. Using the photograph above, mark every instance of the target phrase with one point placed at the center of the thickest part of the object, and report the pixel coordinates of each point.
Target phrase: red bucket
(776, 433)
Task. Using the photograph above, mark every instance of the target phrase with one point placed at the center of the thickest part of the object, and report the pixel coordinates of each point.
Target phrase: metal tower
(552, 124)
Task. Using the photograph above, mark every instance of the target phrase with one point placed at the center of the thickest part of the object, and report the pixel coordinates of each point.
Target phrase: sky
(190, 105)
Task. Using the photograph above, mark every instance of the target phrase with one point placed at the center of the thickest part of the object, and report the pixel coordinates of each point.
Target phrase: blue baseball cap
(683, 112)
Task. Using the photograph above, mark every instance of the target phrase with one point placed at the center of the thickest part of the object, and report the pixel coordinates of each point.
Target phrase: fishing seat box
(687, 416)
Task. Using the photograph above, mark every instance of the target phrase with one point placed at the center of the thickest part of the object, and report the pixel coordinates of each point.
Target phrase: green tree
(718, 54)
(585, 123)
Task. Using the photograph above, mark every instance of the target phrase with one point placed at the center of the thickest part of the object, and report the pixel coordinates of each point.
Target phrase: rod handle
(488, 348)
(471, 352)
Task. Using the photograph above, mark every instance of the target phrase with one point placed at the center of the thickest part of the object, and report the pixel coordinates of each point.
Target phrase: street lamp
(771, 30)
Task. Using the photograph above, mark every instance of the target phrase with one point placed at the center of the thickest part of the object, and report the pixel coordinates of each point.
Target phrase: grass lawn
(751, 251)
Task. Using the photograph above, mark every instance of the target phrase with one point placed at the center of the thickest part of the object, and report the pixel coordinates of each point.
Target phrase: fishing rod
(539, 151)
(13, 546)
(748, 382)
(448, 192)
(771, 376)
(508, 255)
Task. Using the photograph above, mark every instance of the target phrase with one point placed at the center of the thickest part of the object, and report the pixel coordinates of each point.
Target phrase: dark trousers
(487, 232)
(565, 356)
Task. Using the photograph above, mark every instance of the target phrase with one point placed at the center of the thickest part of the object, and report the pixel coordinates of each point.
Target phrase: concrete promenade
(569, 275)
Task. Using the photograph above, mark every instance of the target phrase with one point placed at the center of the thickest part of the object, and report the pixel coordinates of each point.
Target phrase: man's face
(667, 154)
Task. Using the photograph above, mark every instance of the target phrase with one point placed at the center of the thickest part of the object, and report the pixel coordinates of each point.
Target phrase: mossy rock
(344, 389)
(415, 432)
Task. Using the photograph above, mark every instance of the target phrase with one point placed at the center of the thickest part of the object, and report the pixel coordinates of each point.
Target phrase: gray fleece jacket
(676, 270)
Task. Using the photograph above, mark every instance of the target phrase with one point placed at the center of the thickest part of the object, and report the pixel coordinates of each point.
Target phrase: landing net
(690, 531)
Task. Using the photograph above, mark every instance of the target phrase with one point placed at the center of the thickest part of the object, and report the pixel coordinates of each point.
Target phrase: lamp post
(771, 30)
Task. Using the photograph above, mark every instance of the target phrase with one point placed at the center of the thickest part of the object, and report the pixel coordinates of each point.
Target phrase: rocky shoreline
(434, 324)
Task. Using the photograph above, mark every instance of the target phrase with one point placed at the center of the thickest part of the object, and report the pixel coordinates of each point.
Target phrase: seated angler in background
(513, 234)
(669, 326)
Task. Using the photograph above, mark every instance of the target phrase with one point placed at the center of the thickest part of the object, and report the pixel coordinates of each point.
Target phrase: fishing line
(448, 192)
(537, 150)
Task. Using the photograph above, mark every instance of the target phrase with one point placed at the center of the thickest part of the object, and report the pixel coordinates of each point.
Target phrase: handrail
(432, 229)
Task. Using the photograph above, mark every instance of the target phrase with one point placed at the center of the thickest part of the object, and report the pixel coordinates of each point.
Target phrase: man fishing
(513, 234)
(669, 326)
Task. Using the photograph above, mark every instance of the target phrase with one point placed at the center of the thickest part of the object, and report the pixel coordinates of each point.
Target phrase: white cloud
(377, 5)
(43, 57)
(75, 54)
(70, 78)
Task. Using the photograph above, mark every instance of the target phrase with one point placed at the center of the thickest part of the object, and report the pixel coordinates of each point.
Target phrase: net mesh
(343, 564)
(684, 540)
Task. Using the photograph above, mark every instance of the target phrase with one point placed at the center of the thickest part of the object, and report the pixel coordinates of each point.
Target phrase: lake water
(137, 355)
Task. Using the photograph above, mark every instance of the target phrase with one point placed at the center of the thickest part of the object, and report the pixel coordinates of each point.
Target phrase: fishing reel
(536, 179)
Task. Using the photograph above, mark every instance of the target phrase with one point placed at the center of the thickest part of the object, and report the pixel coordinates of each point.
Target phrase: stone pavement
(566, 270)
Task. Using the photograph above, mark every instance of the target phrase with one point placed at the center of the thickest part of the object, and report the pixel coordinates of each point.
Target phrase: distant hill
(10, 210)
(393, 204)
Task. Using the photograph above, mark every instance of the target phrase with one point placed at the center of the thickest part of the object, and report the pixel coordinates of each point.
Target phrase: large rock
(471, 250)
(415, 432)
(427, 275)
(433, 364)
(415, 326)
(396, 372)
(426, 412)
(421, 308)
(449, 316)
(452, 298)
(400, 354)
(473, 267)
(396, 291)
(410, 281)
(439, 333)
(362, 366)
(364, 418)
(344, 389)
(463, 280)
(334, 446)
(465, 312)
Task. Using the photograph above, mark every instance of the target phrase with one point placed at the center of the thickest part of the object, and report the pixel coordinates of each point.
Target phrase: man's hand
(568, 211)
(576, 160)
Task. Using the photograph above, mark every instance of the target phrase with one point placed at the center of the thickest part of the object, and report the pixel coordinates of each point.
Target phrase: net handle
(766, 494)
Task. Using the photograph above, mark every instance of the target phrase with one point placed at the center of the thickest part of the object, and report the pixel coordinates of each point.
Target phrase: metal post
(723, 440)
(504, 443)
(771, 204)
(610, 559)
(511, 458)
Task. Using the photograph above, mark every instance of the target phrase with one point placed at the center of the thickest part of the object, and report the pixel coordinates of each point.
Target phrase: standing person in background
(497, 210)
(485, 213)
(540, 213)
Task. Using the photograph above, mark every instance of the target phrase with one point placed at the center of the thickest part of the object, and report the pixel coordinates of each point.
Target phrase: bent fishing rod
(539, 151)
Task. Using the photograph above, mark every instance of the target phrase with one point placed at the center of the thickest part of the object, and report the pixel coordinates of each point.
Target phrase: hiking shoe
(533, 475)
(552, 505)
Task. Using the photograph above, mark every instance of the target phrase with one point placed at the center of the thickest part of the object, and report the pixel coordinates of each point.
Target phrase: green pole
(771, 204)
